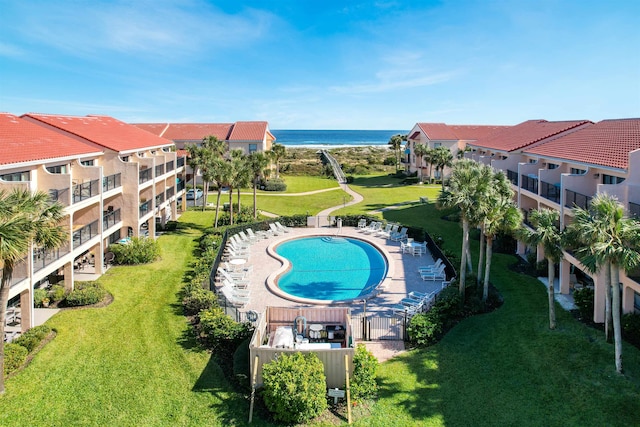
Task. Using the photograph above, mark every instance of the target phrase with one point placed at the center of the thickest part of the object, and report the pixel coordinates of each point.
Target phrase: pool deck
(402, 278)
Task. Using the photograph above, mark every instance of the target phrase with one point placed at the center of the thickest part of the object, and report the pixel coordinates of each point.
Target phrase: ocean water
(333, 138)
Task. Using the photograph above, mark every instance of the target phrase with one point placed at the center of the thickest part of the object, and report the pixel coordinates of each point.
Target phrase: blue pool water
(331, 268)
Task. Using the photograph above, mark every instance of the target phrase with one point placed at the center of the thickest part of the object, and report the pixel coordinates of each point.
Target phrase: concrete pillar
(565, 272)
(26, 310)
(68, 276)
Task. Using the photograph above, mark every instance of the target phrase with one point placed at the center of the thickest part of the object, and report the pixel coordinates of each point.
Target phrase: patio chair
(245, 238)
(233, 298)
(236, 281)
(402, 310)
(399, 236)
(244, 268)
(373, 228)
(387, 234)
(256, 235)
(430, 268)
(236, 289)
(362, 223)
(274, 230)
(382, 232)
(235, 275)
(419, 249)
(282, 227)
(109, 257)
(438, 274)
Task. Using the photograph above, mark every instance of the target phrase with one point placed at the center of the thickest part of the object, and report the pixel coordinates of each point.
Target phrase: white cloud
(10, 50)
(394, 80)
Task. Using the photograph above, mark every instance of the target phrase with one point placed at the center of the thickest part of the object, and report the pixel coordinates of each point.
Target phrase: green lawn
(133, 363)
(301, 184)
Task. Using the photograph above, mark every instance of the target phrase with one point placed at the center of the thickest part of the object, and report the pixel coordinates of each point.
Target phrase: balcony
(169, 193)
(84, 234)
(110, 182)
(159, 199)
(145, 175)
(20, 271)
(145, 207)
(512, 176)
(61, 196)
(573, 199)
(169, 166)
(110, 218)
(634, 210)
(550, 191)
(180, 186)
(86, 190)
(180, 162)
(529, 182)
(43, 257)
(159, 170)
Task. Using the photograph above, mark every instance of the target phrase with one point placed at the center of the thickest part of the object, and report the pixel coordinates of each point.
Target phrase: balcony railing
(112, 181)
(61, 196)
(180, 186)
(634, 210)
(180, 161)
(145, 175)
(529, 182)
(145, 208)
(110, 218)
(169, 166)
(159, 199)
(512, 176)
(43, 257)
(550, 191)
(86, 190)
(85, 234)
(169, 193)
(573, 199)
(20, 271)
(159, 170)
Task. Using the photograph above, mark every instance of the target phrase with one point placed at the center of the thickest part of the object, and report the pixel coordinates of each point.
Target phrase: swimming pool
(331, 268)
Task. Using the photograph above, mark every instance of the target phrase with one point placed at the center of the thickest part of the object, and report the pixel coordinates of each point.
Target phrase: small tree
(365, 366)
(294, 387)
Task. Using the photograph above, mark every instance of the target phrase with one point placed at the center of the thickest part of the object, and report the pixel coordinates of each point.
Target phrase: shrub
(583, 299)
(220, 332)
(294, 387)
(427, 328)
(171, 225)
(274, 184)
(631, 328)
(365, 366)
(33, 337)
(349, 179)
(40, 297)
(14, 357)
(57, 293)
(86, 293)
(197, 300)
(139, 250)
(389, 161)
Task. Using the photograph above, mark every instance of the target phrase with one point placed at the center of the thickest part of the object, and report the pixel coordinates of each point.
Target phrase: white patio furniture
(274, 230)
(233, 298)
(401, 235)
(282, 227)
(238, 290)
(430, 268)
(438, 274)
(235, 280)
(362, 223)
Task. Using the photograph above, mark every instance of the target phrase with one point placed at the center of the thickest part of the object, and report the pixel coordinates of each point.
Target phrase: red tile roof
(527, 133)
(606, 143)
(102, 130)
(248, 131)
(445, 132)
(155, 128)
(23, 141)
(197, 131)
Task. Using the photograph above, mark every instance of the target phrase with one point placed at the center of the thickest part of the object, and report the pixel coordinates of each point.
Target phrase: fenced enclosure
(374, 328)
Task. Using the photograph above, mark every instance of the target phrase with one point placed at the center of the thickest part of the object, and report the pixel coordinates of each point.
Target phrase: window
(16, 176)
(437, 144)
(125, 159)
(610, 179)
(87, 162)
(576, 171)
(552, 166)
(533, 160)
(57, 169)
(253, 148)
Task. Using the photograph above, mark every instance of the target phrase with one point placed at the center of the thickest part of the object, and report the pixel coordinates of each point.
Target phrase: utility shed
(325, 331)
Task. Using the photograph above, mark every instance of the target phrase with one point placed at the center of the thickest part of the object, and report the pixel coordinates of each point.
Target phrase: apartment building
(561, 165)
(114, 180)
(433, 135)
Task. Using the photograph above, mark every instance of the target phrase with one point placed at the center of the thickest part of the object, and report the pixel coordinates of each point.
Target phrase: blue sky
(322, 64)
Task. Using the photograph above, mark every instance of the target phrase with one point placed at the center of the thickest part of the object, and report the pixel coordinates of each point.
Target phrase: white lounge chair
(401, 235)
(383, 231)
(233, 298)
(430, 268)
(362, 223)
(236, 281)
(386, 234)
(402, 310)
(438, 274)
(257, 235)
(245, 238)
(274, 230)
(235, 275)
(374, 227)
(244, 292)
(282, 227)
(243, 269)
(419, 249)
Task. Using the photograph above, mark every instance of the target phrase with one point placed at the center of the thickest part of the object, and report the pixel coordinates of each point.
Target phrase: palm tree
(465, 191)
(221, 175)
(25, 218)
(604, 238)
(460, 154)
(194, 161)
(546, 233)
(257, 162)
(277, 152)
(420, 151)
(236, 173)
(396, 144)
(502, 215)
(442, 158)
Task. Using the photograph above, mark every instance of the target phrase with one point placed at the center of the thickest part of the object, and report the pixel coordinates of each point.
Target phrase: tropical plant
(25, 218)
(235, 177)
(276, 153)
(256, 162)
(194, 160)
(546, 234)
(420, 150)
(442, 158)
(212, 149)
(602, 237)
(396, 145)
(365, 365)
(502, 215)
(460, 154)
(467, 188)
